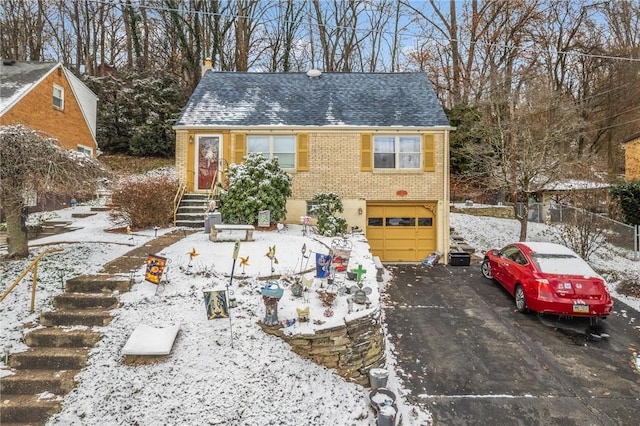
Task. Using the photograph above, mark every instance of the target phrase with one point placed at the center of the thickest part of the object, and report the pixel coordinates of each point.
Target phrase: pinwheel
(244, 261)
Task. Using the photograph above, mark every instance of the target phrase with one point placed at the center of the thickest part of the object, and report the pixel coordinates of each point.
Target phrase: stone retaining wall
(352, 349)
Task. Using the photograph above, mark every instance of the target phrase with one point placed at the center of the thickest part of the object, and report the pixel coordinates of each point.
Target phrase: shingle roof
(332, 99)
(17, 77)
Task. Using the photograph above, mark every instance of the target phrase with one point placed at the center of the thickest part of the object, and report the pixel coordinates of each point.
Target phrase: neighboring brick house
(379, 140)
(47, 97)
(632, 157)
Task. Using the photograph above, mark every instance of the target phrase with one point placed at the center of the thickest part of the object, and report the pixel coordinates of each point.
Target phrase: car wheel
(486, 269)
(521, 302)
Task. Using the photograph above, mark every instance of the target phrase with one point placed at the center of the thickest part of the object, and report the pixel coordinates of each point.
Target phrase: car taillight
(543, 284)
(544, 289)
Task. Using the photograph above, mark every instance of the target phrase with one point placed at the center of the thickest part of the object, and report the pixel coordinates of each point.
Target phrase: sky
(221, 371)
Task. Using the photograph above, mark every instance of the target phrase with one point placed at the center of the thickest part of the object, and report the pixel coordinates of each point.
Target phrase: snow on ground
(222, 371)
(485, 233)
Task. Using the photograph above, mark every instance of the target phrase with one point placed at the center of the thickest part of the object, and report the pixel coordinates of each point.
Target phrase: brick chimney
(207, 65)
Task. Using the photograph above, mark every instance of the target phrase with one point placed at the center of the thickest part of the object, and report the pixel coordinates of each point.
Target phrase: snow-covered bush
(325, 206)
(256, 184)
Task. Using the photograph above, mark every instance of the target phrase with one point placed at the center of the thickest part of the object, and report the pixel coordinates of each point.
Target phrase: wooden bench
(216, 228)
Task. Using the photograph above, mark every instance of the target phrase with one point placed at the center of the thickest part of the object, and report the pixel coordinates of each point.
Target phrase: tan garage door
(401, 232)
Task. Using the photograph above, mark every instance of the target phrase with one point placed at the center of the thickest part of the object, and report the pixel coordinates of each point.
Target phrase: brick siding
(35, 110)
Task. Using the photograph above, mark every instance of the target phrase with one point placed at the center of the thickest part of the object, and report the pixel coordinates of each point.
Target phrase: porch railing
(33, 265)
(176, 200)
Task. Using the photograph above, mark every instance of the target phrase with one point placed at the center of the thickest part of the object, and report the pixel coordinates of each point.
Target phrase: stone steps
(105, 284)
(45, 372)
(85, 301)
(93, 317)
(29, 409)
(62, 337)
(31, 382)
(50, 359)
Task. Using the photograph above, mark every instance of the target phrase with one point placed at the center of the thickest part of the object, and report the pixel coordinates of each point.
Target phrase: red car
(548, 278)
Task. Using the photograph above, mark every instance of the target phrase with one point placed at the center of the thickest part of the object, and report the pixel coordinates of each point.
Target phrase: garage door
(401, 232)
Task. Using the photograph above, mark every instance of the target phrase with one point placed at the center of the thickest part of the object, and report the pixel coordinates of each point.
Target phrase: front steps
(192, 210)
(46, 371)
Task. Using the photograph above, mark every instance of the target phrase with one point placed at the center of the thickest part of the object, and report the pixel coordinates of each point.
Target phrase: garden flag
(155, 268)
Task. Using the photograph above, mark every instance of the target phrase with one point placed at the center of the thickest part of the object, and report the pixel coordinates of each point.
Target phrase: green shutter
(365, 152)
(429, 153)
(302, 152)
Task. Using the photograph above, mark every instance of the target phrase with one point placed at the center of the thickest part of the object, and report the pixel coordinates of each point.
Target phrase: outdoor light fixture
(360, 211)
(190, 138)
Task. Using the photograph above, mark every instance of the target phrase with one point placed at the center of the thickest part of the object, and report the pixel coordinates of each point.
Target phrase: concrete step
(190, 223)
(29, 409)
(62, 338)
(191, 210)
(50, 359)
(83, 215)
(31, 382)
(97, 284)
(85, 300)
(68, 317)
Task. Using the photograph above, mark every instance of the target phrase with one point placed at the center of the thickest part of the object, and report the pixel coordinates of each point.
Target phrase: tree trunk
(17, 243)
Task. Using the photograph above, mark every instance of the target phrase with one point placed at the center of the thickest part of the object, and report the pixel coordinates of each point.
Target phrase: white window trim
(61, 89)
(85, 150)
(397, 153)
(271, 148)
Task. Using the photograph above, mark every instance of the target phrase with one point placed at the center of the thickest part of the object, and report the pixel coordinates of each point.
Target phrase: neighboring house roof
(631, 138)
(226, 99)
(17, 78)
(573, 184)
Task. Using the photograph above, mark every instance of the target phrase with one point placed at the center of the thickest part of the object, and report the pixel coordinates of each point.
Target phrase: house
(632, 157)
(378, 140)
(47, 97)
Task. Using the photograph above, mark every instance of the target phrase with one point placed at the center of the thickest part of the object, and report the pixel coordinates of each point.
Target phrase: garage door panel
(401, 233)
(399, 256)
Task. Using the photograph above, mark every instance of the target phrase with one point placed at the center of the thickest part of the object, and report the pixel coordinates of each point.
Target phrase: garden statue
(271, 294)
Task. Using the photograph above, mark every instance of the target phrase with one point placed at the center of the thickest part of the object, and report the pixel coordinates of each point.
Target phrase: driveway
(469, 358)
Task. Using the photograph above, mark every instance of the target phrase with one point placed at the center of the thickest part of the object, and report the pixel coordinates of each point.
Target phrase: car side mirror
(496, 252)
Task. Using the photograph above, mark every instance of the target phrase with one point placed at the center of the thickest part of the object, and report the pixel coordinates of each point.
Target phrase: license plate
(581, 309)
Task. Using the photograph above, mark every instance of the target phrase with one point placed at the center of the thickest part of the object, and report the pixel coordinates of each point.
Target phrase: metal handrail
(176, 200)
(33, 265)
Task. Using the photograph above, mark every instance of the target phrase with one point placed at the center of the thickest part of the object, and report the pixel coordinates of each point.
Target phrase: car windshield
(562, 264)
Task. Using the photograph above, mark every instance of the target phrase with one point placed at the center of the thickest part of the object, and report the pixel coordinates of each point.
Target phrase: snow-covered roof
(18, 77)
(573, 184)
(224, 99)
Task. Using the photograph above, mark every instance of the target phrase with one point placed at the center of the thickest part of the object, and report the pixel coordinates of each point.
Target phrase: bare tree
(30, 162)
(524, 150)
(22, 25)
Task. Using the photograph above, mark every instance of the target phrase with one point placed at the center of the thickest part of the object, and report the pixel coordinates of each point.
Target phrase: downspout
(446, 237)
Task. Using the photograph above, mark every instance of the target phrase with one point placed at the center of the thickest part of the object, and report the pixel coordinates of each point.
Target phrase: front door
(208, 152)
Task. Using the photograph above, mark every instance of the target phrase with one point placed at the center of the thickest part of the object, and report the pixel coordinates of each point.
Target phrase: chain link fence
(617, 233)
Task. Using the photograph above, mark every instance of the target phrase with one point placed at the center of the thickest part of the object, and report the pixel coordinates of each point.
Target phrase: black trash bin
(459, 259)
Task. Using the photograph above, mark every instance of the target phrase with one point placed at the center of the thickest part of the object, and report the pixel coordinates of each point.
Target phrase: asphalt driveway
(470, 358)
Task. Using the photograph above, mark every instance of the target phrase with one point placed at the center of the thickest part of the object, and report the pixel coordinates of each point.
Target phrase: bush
(325, 206)
(256, 184)
(144, 201)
